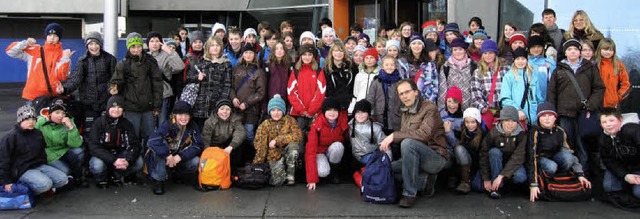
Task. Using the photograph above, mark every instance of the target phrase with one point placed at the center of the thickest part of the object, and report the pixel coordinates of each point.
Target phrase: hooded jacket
(142, 86)
(20, 150)
(621, 153)
(320, 137)
(58, 137)
(617, 87)
(306, 91)
(545, 67)
(91, 76)
(362, 134)
(512, 92)
(562, 93)
(512, 146)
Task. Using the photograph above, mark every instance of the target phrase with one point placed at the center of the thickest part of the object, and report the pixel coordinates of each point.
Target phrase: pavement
(328, 201)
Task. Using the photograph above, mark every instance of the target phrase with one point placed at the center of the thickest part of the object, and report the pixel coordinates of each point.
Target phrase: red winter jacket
(321, 136)
(306, 92)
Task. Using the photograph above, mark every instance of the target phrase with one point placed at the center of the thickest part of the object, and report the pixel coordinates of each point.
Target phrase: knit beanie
(53, 28)
(480, 34)
(570, 43)
(153, 34)
(416, 37)
(371, 52)
(455, 93)
(115, 101)
(277, 103)
(330, 103)
(218, 26)
(223, 102)
(307, 48)
(546, 108)
(196, 35)
(181, 107)
(363, 106)
(26, 112)
(392, 43)
(57, 104)
(248, 32)
(364, 36)
(247, 47)
(473, 113)
(134, 39)
(328, 31)
(520, 52)
(535, 41)
(518, 37)
(509, 113)
(458, 42)
(428, 27)
(307, 34)
(93, 37)
(430, 45)
(360, 48)
(489, 46)
(453, 27)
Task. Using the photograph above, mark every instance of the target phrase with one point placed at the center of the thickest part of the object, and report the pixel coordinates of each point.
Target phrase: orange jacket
(57, 67)
(617, 86)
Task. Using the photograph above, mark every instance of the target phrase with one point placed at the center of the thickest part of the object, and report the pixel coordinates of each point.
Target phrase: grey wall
(53, 7)
(188, 5)
(461, 11)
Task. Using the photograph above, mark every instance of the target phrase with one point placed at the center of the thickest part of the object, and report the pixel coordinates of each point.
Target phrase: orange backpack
(214, 169)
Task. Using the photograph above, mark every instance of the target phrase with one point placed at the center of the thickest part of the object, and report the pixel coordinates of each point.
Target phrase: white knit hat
(328, 31)
(216, 27)
(473, 113)
(249, 31)
(307, 34)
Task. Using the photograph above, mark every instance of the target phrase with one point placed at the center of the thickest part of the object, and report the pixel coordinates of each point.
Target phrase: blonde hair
(607, 43)
(328, 62)
(383, 41)
(483, 67)
(528, 70)
(213, 39)
(589, 29)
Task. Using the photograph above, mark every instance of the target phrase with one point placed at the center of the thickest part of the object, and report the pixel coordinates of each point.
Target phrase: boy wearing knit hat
(364, 133)
(23, 158)
(114, 148)
(278, 138)
(548, 150)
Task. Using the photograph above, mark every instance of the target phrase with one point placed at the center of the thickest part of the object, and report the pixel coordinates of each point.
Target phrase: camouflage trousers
(280, 173)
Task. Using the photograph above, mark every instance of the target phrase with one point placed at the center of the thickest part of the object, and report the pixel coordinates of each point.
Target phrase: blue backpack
(378, 184)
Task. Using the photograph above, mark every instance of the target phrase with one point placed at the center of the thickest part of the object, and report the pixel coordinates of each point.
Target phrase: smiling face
(197, 45)
(407, 94)
(115, 111)
(610, 124)
(183, 119)
(452, 105)
(276, 114)
(508, 31)
(547, 120)
(470, 123)
(94, 48)
(389, 65)
(331, 115)
(361, 116)
(458, 53)
(520, 62)
(224, 112)
(508, 126)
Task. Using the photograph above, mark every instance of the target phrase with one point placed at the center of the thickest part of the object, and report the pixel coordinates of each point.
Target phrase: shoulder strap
(245, 79)
(44, 70)
(526, 91)
(446, 72)
(576, 86)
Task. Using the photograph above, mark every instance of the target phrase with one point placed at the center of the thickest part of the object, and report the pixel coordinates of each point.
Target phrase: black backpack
(252, 176)
(562, 187)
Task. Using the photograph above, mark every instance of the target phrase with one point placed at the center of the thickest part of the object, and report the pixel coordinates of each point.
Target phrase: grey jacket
(360, 137)
(379, 103)
(169, 64)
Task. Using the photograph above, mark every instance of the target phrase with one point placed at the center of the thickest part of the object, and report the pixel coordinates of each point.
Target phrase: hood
(515, 132)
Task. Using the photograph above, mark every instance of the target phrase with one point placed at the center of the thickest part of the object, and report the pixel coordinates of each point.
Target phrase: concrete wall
(188, 5)
(52, 7)
(461, 11)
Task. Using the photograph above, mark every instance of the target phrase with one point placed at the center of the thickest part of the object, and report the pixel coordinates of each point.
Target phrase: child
(270, 41)
(328, 38)
(620, 150)
(251, 37)
(366, 134)
(487, 81)
(23, 157)
(278, 67)
(475, 24)
(365, 76)
(548, 149)
(452, 114)
(427, 76)
(544, 65)
(380, 45)
(396, 35)
(587, 51)
(363, 40)
(456, 71)
(350, 44)
(383, 95)
(392, 48)
(232, 50)
(277, 137)
(614, 74)
(325, 147)
(467, 149)
(474, 49)
(224, 129)
(248, 90)
(451, 32)
(340, 73)
(415, 56)
(358, 55)
(520, 88)
(517, 40)
(309, 39)
(503, 153)
(288, 39)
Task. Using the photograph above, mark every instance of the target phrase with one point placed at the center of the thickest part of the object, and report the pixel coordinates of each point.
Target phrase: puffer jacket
(460, 77)
(512, 146)
(215, 86)
(142, 86)
(20, 150)
(385, 109)
(251, 92)
(91, 76)
(360, 135)
(169, 64)
(621, 153)
(361, 85)
(58, 137)
(617, 86)
(320, 137)
(512, 92)
(306, 91)
(340, 83)
(188, 146)
(563, 94)
(545, 67)
(427, 81)
(284, 131)
(222, 133)
(110, 137)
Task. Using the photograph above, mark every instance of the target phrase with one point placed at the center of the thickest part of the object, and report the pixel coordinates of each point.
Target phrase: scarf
(459, 63)
(388, 80)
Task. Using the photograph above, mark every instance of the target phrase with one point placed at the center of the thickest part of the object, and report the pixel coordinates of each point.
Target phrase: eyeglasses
(404, 93)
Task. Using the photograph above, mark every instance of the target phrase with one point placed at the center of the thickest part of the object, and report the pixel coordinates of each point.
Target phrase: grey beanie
(93, 37)
(26, 112)
(509, 113)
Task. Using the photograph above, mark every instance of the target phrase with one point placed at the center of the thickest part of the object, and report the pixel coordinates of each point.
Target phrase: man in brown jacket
(422, 143)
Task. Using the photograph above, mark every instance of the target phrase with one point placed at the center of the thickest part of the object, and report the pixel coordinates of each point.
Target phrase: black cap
(181, 107)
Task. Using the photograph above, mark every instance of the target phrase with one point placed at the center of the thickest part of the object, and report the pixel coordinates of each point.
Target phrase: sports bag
(562, 187)
(214, 169)
(252, 176)
(378, 184)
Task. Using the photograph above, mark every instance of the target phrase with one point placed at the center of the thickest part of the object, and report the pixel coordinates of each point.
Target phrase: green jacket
(59, 139)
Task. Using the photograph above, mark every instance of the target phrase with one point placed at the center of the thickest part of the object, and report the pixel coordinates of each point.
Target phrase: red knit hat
(371, 52)
(455, 93)
(516, 37)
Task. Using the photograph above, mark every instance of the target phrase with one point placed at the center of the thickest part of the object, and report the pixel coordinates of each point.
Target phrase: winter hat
(452, 27)
(57, 104)
(416, 37)
(364, 36)
(455, 93)
(307, 34)
(153, 34)
(247, 47)
(458, 42)
(196, 35)
(181, 107)
(330, 103)
(172, 43)
(546, 108)
(362, 106)
(489, 46)
(570, 43)
(218, 26)
(53, 28)
(249, 31)
(223, 102)
(535, 41)
(134, 39)
(428, 27)
(277, 103)
(93, 37)
(26, 112)
(328, 31)
(308, 48)
(520, 52)
(390, 26)
(391, 43)
(350, 38)
(516, 37)
(360, 48)
(429, 45)
(508, 113)
(371, 52)
(115, 101)
(473, 113)
(480, 34)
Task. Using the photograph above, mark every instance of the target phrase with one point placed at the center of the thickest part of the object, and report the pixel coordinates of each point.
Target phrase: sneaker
(495, 195)
(291, 182)
(407, 202)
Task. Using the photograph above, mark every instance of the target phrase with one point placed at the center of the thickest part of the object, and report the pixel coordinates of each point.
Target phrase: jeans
(573, 136)
(250, 130)
(611, 183)
(164, 111)
(142, 123)
(71, 162)
(157, 166)
(102, 171)
(462, 155)
(563, 161)
(418, 160)
(332, 156)
(43, 178)
(495, 161)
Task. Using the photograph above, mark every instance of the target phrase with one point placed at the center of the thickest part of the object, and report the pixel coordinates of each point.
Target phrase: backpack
(562, 187)
(214, 169)
(19, 197)
(252, 176)
(378, 184)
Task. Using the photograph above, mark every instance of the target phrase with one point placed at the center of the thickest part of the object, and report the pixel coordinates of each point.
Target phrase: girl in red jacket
(326, 143)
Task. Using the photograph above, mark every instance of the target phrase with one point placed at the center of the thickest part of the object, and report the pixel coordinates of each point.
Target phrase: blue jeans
(43, 178)
(573, 136)
(158, 168)
(563, 161)
(142, 122)
(418, 160)
(71, 162)
(250, 130)
(611, 183)
(99, 169)
(164, 111)
(462, 155)
(495, 161)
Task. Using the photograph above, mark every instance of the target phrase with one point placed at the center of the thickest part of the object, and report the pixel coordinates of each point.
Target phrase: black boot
(334, 175)
(158, 187)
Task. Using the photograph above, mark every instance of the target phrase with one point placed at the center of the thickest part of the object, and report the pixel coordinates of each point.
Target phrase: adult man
(422, 143)
(549, 20)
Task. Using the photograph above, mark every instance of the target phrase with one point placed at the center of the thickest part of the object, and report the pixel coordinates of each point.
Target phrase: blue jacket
(190, 143)
(512, 92)
(232, 56)
(539, 64)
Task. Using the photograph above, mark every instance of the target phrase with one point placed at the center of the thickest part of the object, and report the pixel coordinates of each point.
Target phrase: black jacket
(139, 80)
(20, 150)
(340, 83)
(562, 93)
(621, 154)
(91, 76)
(109, 137)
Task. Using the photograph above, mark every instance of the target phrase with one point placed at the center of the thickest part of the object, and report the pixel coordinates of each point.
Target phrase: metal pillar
(111, 26)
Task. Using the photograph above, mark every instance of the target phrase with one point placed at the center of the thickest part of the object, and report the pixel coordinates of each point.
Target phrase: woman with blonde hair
(581, 28)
